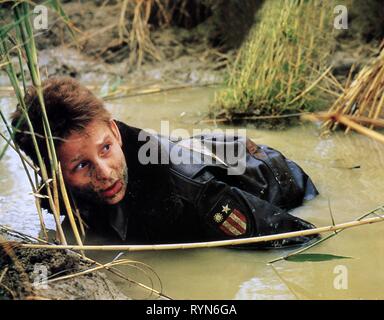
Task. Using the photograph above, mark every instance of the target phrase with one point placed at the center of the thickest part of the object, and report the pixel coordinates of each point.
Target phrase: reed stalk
(25, 46)
(68, 207)
(24, 163)
(351, 122)
(213, 244)
(28, 44)
(12, 76)
(363, 98)
(107, 266)
(373, 212)
(26, 160)
(112, 264)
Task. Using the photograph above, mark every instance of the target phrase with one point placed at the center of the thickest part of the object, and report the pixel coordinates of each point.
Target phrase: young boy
(121, 193)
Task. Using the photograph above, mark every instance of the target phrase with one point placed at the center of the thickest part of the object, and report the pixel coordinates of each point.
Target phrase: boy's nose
(103, 171)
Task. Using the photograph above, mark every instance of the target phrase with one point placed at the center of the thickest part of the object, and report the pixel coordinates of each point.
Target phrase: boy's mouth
(112, 190)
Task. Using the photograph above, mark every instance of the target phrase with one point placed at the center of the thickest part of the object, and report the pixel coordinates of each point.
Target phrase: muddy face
(93, 163)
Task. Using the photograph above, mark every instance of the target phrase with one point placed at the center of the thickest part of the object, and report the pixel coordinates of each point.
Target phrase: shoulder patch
(229, 219)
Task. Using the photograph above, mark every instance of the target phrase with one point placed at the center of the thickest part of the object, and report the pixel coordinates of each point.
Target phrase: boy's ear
(116, 131)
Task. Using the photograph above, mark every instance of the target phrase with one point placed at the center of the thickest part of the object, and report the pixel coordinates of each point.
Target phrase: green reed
(18, 38)
(281, 67)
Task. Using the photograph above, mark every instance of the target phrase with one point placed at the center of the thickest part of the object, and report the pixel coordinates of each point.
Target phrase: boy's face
(93, 163)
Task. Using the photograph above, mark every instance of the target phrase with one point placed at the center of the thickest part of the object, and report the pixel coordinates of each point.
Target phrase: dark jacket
(200, 202)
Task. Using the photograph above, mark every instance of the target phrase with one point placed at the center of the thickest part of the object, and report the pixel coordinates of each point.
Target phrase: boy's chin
(116, 198)
(87, 195)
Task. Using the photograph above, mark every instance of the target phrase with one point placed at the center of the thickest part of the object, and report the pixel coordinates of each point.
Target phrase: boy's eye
(106, 147)
(81, 165)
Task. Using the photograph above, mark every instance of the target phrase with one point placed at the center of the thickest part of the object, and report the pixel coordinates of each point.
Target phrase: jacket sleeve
(229, 212)
(260, 168)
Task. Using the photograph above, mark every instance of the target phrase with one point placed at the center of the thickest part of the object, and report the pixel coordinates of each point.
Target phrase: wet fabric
(179, 201)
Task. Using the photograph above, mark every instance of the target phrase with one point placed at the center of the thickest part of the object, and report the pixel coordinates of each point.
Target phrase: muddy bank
(182, 42)
(358, 44)
(106, 29)
(185, 42)
(195, 67)
(22, 273)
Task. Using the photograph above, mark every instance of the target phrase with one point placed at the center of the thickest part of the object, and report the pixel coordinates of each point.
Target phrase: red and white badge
(234, 225)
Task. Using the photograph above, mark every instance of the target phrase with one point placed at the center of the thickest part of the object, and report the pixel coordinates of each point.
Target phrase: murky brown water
(234, 274)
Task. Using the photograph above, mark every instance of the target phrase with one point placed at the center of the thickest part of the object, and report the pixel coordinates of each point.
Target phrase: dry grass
(363, 99)
(17, 39)
(283, 65)
(129, 34)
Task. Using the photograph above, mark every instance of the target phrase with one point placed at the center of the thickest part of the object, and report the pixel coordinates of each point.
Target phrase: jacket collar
(148, 184)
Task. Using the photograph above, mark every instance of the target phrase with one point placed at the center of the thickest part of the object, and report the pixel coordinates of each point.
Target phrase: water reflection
(346, 169)
(17, 207)
(265, 287)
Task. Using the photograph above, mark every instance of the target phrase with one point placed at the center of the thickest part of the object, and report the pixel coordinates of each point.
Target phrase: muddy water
(348, 171)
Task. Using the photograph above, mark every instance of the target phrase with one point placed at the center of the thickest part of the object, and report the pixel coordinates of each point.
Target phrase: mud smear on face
(90, 194)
